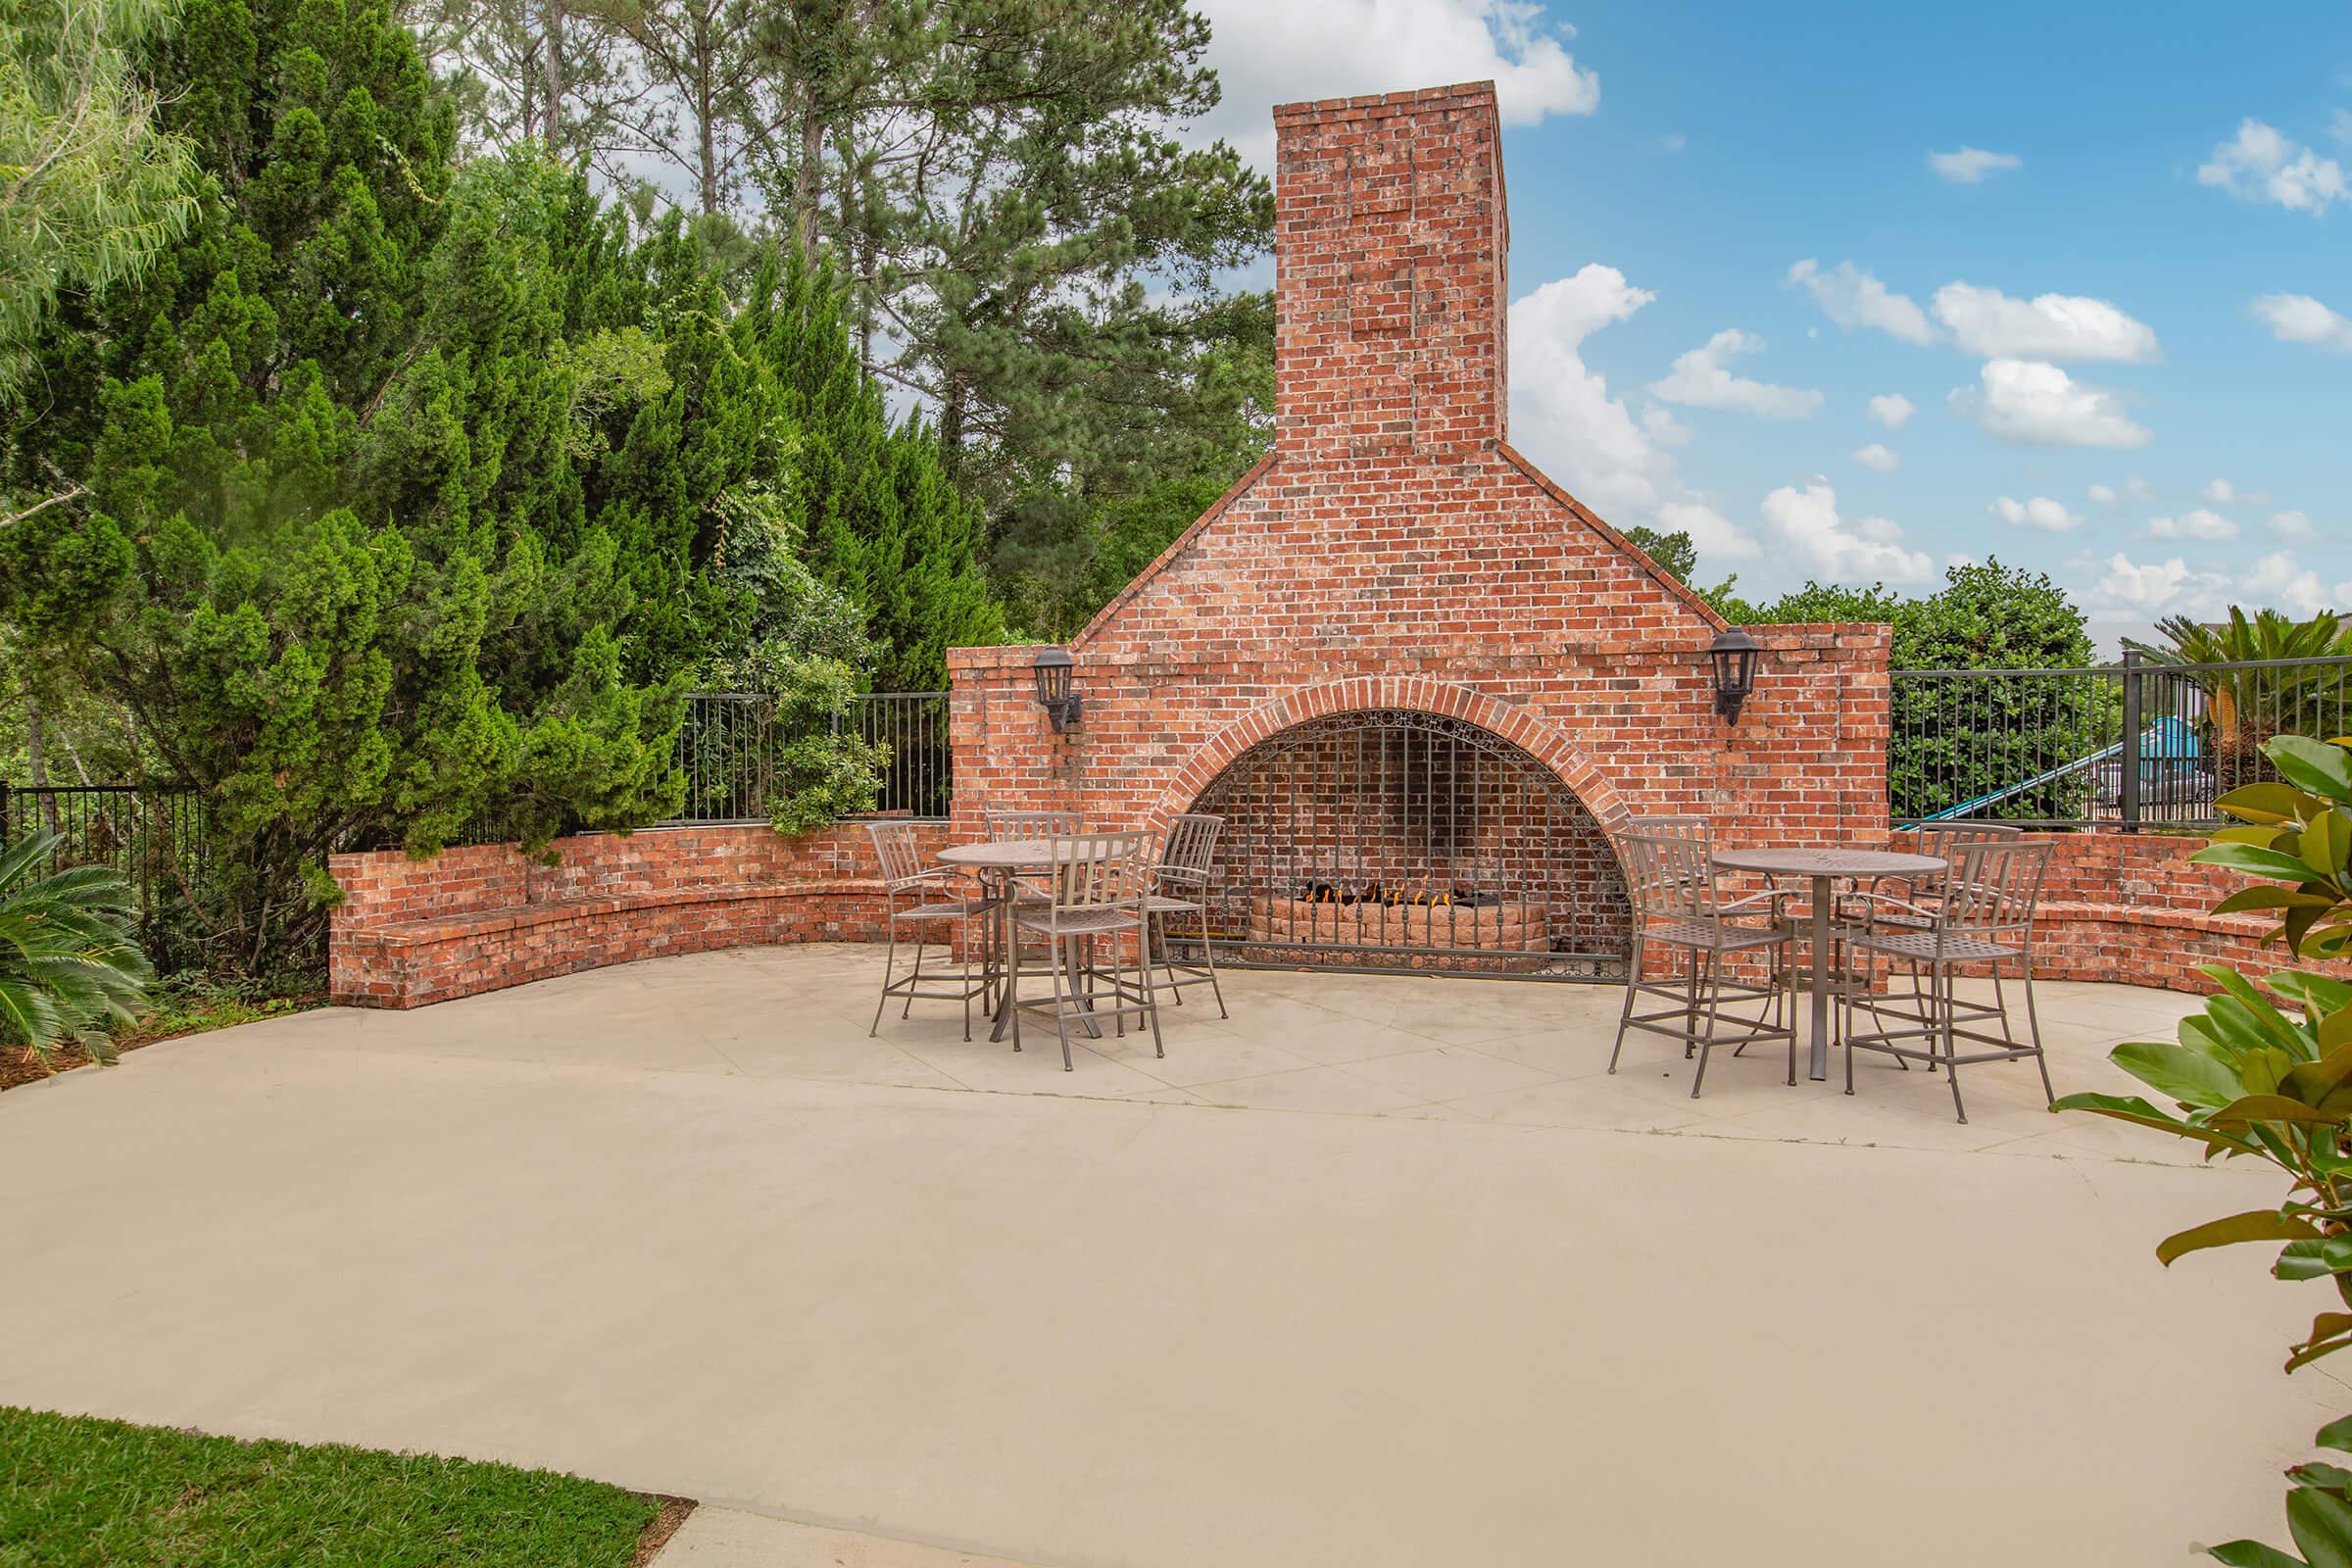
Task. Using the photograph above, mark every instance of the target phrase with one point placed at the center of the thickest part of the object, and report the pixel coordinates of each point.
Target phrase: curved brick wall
(411, 932)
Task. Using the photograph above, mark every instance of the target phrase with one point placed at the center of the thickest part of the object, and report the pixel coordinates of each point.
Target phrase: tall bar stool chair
(1916, 903)
(1983, 919)
(1677, 904)
(1699, 830)
(921, 899)
(1180, 892)
(1096, 888)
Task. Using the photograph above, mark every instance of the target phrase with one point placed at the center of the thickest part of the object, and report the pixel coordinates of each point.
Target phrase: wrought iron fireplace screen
(1395, 839)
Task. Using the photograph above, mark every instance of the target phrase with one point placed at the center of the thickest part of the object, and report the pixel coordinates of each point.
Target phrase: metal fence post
(2128, 792)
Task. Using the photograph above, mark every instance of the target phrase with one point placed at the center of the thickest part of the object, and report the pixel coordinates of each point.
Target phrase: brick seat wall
(411, 932)
(2130, 909)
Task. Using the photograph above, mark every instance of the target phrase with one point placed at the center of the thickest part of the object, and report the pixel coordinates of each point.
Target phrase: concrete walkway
(662, 1225)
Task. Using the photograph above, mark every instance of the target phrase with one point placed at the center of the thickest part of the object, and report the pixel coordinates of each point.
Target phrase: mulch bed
(665, 1525)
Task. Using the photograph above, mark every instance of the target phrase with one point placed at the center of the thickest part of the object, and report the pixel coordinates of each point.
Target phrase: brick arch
(1522, 729)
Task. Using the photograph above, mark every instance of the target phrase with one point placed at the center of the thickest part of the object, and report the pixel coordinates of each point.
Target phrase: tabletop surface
(1013, 854)
(1829, 863)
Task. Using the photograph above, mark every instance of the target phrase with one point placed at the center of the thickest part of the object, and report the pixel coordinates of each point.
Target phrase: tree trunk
(806, 185)
(554, 72)
(706, 135)
(36, 758)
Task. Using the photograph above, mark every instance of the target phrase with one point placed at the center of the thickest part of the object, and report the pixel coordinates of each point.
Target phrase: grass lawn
(79, 1493)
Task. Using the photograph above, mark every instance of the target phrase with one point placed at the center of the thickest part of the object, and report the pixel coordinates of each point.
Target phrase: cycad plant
(2246, 708)
(70, 965)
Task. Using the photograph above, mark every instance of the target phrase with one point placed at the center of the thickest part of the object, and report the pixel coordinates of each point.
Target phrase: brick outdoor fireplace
(1419, 680)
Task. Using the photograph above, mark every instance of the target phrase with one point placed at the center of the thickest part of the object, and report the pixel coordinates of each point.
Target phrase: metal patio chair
(1982, 919)
(1918, 904)
(1179, 891)
(1098, 885)
(1700, 830)
(920, 898)
(1678, 904)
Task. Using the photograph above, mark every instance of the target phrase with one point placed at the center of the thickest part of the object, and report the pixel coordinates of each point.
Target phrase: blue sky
(2123, 341)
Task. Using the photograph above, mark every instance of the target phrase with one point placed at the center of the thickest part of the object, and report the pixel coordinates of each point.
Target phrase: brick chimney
(1391, 235)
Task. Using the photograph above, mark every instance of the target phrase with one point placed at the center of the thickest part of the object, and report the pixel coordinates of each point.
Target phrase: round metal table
(998, 861)
(1824, 867)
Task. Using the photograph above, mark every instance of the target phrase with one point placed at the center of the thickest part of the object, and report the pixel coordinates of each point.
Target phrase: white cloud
(2300, 319)
(1970, 164)
(2199, 524)
(1834, 549)
(1565, 417)
(2103, 494)
(2150, 588)
(2037, 511)
(1853, 297)
(2041, 404)
(2049, 326)
(1664, 428)
(1268, 53)
(1892, 409)
(2219, 491)
(1699, 379)
(2292, 527)
(2277, 579)
(2260, 164)
(1879, 458)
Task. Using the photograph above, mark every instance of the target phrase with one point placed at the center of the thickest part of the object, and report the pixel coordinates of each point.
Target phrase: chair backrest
(1003, 827)
(1190, 852)
(1701, 828)
(1097, 871)
(1994, 886)
(900, 856)
(1670, 875)
(1944, 839)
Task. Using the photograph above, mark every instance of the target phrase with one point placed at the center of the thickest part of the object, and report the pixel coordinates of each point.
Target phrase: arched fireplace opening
(1397, 839)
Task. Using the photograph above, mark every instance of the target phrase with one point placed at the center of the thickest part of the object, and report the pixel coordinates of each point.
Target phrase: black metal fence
(2132, 744)
(154, 834)
(735, 744)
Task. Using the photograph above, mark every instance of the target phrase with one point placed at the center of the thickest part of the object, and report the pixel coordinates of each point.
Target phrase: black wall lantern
(1062, 705)
(1733, 652)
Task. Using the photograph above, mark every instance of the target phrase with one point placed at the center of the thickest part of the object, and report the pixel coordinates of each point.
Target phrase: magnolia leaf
(2270, 897)
(2187, 1075)
(2256, 1108)
(2336, 1433)
(2258, 1225)
(2314, 1260)
(2312, 1081)
(2311, 992)
(2314, 767)
(2253, 1554)
(2267, 803)
(2328, 1336)
(2322, 1524)
(2254, 862)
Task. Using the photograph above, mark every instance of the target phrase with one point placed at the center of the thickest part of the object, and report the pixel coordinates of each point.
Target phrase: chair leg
(1167, 965)
(1690, 1011)
(1633, 989)
(1061, 1008)
(915, 976)
(1012, 981)
(890, 960)
(964, 934)
(1951, 1064)
(2042, 1057)
(1707, 1044)
(1151, 1000)
(1208, 955)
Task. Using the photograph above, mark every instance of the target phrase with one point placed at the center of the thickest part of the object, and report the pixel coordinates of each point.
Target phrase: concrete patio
(1380, 1271)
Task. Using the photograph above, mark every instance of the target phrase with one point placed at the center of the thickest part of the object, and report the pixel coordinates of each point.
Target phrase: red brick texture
(1393, 552)
(2130, 907)
(468, 920)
